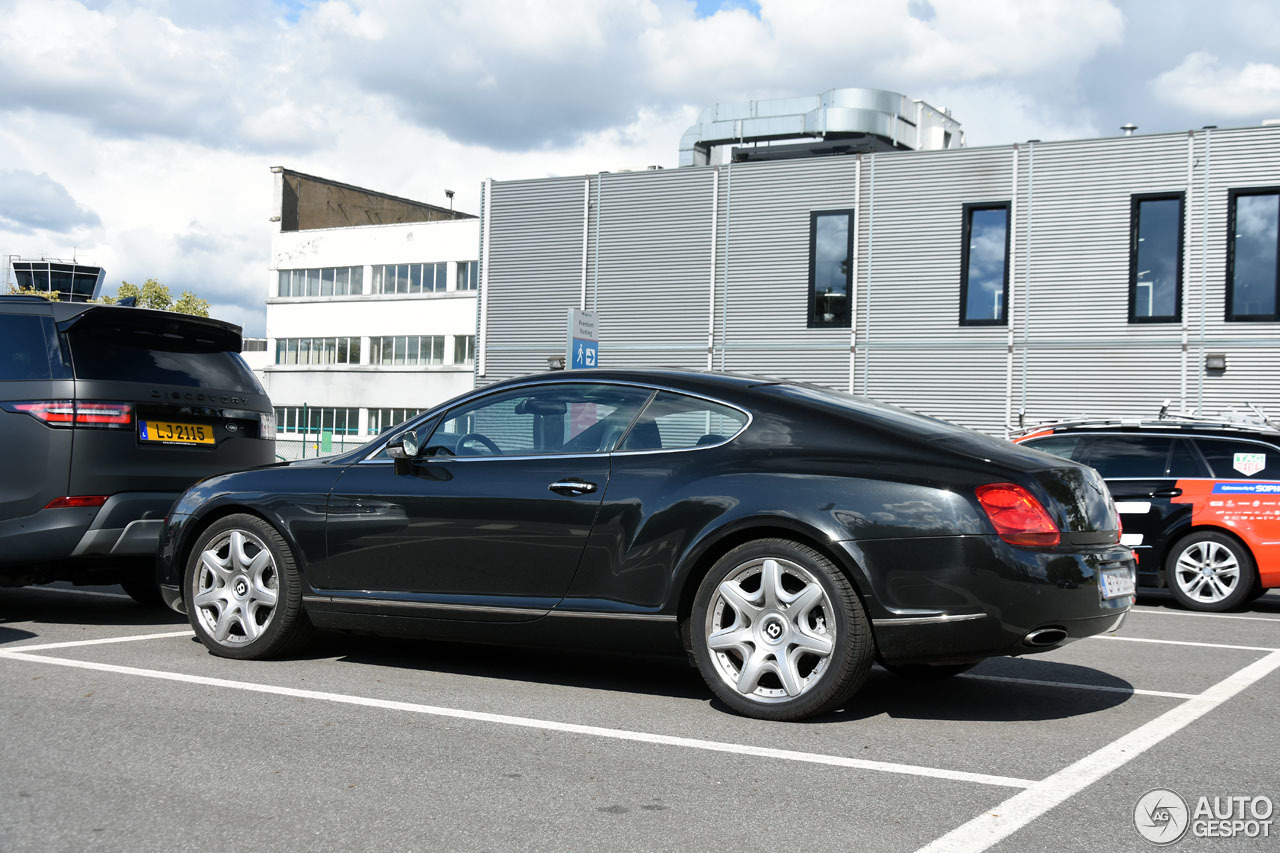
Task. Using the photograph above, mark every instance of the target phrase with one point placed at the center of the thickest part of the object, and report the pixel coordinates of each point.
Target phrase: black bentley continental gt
(786, 535)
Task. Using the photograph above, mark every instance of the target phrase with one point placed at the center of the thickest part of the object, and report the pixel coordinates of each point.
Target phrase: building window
(411, 278)
(317, 419)
(1253, 246)
(381, 420)
(830, 267)
(317, 350)
(984, 265)
(468, 275)
(464, 349)
(324, 281)
(407, 349)
(1155, 258)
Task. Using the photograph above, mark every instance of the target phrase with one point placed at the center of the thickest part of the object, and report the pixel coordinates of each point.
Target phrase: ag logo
(1161, 817)
(1249, 463)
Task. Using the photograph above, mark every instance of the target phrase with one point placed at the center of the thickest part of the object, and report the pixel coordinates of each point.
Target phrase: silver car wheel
(237, 587)
(1207, 571)
(771, 630)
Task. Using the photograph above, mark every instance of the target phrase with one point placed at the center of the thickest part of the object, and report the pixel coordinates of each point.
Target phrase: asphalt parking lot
(121, 733)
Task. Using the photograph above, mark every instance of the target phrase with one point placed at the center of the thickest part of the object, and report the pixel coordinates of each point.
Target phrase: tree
(51, 295)
(189, 303)
(153, 294)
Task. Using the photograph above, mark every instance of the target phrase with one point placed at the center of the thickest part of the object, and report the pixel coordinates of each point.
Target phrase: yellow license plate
(175, 433)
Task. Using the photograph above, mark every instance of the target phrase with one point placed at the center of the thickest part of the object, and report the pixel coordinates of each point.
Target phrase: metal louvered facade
(708, 267)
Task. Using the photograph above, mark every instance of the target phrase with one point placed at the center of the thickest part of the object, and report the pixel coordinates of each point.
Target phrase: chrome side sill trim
(940, 619)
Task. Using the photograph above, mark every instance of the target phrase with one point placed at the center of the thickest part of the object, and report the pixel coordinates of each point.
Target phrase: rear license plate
(168, 432)
(1116, 583)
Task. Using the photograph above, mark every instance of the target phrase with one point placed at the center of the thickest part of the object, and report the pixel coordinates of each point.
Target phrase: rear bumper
(967, 598)
(127, 525)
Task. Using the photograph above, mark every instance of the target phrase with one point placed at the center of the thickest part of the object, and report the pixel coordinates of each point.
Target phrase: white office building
(371, 310)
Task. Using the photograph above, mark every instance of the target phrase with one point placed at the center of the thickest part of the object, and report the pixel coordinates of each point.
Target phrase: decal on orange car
(1250, 510)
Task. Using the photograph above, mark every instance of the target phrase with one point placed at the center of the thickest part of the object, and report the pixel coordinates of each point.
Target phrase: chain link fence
(326, 444)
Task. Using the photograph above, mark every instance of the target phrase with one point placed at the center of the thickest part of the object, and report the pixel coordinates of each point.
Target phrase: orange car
(1199, 500)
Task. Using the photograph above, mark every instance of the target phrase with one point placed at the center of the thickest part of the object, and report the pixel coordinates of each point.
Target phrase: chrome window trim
(651, 386)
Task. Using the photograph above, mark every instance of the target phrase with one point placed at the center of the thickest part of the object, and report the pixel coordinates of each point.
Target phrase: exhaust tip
(1045, 637)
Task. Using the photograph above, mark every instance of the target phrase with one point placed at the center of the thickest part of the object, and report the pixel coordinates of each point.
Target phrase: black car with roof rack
(1199, 498)
(107, 414)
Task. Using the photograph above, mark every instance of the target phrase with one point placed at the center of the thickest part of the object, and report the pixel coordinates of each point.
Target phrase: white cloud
(162, 117)
(1201, 83)
(32, 202)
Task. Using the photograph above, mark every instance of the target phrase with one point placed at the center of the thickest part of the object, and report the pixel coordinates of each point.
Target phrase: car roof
(1180, 426)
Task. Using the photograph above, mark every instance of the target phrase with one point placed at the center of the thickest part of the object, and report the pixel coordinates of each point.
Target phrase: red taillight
(55, 412)
(1017, 516)
(85, 413)
(76, 501)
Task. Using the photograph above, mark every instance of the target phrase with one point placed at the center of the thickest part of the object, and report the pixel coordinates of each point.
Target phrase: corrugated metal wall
(665, 293)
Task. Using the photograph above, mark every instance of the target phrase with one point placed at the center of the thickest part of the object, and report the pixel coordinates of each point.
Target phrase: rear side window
(24, 348)
(1129, 456)
(126, 359)
(1059, 445)
(1240, 458)
(674, 421)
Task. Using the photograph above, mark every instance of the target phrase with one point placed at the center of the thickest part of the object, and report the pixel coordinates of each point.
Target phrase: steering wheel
(481, 439)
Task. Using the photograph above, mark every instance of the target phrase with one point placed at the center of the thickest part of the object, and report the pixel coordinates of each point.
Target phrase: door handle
(1166, 493)
(571, 488)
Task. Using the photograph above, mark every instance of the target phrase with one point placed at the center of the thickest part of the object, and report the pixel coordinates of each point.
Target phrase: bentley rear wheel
(778, 632)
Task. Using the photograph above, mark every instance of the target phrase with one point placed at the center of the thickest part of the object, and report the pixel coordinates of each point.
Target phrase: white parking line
(1155, 611)
(530, 723)
(65, 591)
(1113, 637)
(1075, 685)
(101, 642)
(1022, 808)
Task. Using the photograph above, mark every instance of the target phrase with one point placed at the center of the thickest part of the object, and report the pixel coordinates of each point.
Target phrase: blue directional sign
(582, 348)
(585, 353)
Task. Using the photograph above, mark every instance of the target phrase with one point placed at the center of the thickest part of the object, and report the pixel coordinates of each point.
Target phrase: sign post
(583, 346)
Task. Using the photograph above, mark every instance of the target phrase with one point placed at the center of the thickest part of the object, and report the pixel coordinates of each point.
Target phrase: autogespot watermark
(1163, 817)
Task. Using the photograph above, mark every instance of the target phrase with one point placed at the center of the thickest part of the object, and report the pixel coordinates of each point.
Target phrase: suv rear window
(150, 358)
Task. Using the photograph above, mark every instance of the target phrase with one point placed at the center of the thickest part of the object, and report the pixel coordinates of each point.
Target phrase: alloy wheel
(237, 588)
(771, 630)
(1207, 571)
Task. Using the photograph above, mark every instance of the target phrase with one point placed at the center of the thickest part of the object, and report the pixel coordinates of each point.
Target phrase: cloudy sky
(140, 135)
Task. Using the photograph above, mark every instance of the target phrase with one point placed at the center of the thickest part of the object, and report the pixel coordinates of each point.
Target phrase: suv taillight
(1017, 516)
(84, 413)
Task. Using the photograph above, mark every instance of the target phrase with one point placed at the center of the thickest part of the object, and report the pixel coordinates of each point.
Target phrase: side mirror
(403, 449)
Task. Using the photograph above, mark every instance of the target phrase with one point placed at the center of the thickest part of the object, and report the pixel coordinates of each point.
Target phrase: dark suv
(107, 414)
(1199, 500)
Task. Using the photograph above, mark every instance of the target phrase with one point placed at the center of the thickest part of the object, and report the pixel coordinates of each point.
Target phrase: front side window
(830, 268)
(1253, 248)
(1129, 456)
(675, 421)
(1155, 259)
(984, 265)
(560, 418)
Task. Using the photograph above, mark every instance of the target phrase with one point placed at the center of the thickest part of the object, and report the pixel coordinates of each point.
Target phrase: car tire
(1210, 571)
(243, 590)
(778, 632)
(928, 672)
